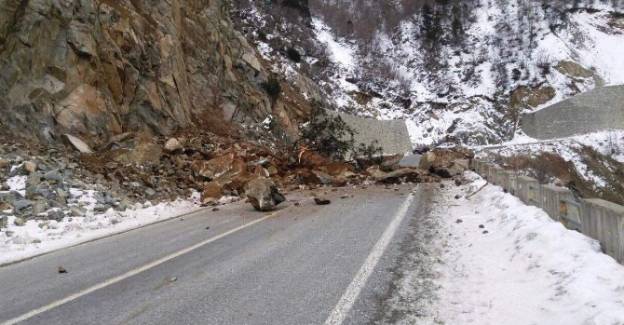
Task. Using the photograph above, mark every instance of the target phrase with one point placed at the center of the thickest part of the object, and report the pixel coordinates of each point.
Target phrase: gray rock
(53, 175)
(123, 205)
(149, 192)
(56, 214)
(32, 184)
(39, 206)
(19, 222)
(10, 197)
(61, 195)
(101, 208)
(77, 211)
(22, 204)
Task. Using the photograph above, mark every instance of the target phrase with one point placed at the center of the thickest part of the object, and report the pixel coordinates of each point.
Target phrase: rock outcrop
(96, 69)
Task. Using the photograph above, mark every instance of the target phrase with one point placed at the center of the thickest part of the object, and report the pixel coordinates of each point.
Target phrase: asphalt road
(303, 264)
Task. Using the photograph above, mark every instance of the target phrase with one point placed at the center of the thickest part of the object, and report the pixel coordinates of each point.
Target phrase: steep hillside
(460, 71)
(97, 69)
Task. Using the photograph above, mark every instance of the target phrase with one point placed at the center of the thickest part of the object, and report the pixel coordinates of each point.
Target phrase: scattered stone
(77, 211)
(20, 205)
(345, 197)
(173, 145)
(36, 241)
(3, 222)
(62, 270)
(320, 201)
(173, 279)
(459, 221)
(457, 197)
(442, 185)
(78, 144)
(39, 206)
(53, 175)
(56, 214)
(485, 232)
(150, 192)
(481, 226)
(458, 182)
(263, 194)
(215, 209)
(19, 222)
(101, 208)
(297, 204)
(207, 228)
(30, 167)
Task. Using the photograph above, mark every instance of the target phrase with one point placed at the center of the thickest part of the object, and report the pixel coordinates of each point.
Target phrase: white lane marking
(347, 300)
(128, 274)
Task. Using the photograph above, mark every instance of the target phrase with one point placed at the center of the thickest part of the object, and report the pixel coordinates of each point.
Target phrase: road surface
(302, 264)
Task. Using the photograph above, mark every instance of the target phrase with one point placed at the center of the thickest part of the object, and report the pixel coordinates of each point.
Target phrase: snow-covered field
(508, 263)
(37, 236)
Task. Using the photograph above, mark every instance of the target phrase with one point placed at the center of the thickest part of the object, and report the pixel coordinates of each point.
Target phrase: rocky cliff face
(96, 69)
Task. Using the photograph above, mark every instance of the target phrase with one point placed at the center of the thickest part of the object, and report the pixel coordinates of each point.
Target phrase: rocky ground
(53, 183)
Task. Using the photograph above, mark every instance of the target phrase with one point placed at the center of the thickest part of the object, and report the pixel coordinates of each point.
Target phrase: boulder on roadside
(263, 194)
(396, 176)
(427, 160)
(211, 193)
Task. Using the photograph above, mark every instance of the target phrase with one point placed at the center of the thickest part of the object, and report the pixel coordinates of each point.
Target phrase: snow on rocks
(509, 263)
(36, 237)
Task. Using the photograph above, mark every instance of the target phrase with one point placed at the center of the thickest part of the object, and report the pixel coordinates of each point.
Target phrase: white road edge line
(128, 274)
(347, 300)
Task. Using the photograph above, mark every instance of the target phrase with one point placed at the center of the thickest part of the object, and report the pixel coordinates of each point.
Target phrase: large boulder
(263, 194)
(446, 163)
(397, 176)
(218, 167)
(230, 171)
(212, 192)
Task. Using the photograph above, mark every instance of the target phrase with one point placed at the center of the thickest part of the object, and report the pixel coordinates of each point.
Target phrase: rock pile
(52, 184)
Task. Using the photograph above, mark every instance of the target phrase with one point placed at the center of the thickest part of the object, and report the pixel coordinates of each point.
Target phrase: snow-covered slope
(460, 71)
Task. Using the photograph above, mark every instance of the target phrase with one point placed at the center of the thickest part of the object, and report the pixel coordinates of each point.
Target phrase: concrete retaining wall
(529, 191)
(392, 135)
(598, 219)
(604, 221)
(596, 110)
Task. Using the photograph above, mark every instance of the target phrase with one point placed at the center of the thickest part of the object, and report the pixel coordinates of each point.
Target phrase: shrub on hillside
(328, 134)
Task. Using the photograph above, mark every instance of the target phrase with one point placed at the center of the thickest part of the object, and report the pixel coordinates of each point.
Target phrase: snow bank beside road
(490, 259)
(509, 263)
(36, 237)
